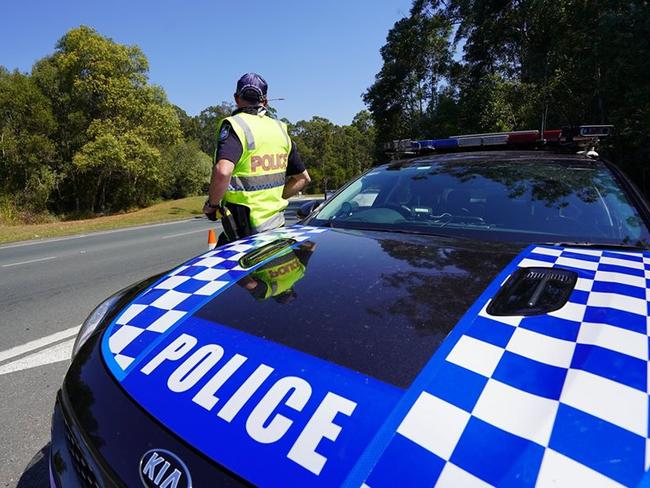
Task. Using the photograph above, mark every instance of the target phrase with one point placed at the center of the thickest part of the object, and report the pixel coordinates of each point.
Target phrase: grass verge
(183, 208)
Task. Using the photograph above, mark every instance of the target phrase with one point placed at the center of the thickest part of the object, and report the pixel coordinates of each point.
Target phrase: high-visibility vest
(259, 175)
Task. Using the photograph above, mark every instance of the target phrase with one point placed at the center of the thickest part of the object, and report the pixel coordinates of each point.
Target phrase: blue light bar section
(450, 143)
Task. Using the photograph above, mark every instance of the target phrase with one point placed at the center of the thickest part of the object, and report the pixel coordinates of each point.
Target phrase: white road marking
(38, 343)
(185, 233)
(28, 262)
(54, 354)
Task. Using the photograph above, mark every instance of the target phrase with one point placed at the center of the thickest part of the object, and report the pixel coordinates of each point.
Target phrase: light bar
(512, 138)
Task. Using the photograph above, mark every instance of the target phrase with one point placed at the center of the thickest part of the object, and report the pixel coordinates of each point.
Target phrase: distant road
(47, 288)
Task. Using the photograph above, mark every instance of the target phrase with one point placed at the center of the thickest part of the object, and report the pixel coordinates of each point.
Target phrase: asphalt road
(47, 288)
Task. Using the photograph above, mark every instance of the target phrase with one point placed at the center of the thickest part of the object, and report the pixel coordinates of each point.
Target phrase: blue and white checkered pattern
(184, 290)
(553, 400)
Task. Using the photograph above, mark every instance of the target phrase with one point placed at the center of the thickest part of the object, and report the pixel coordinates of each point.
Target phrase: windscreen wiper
(601, 245)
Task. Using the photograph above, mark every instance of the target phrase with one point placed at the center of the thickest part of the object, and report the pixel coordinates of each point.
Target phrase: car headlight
(94, 319)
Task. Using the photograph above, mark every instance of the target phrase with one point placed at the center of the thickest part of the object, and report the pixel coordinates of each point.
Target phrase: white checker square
(607, 400)
(513, 320)
(168, 319)
(209, 262)
(622, 278)
(434, 425)
(647, 294)
(475, 355)
(615, 339)
(626, 263)
(178, 270)
(542, 348)
(210, 274)
(534, 263)
(172, 282)
(211, 288)
(452, 477)
(646, 274)
(647, 454)
(577, 263)
(129, 313)
(646, 259)
(123, 361)
(583, 284)
(586, 252)
(516, 411)
(122, 337)
(548, 251)
(240, 247)
(617, 301)
(570, 311)
(562, 472)
(170, 299)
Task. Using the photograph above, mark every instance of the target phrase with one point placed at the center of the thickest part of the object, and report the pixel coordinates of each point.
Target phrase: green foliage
(207, 121)
(28, 161)
(188, 170)
(580, 61)
(333, 154)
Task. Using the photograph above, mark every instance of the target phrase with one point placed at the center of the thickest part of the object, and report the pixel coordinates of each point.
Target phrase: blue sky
(320, 55)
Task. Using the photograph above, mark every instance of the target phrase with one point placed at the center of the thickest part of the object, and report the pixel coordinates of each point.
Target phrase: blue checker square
(458, 386)
(225, 254)
(227, 264)
(147, 317)
(627, 257)
(580, 256)
(403, 464)
(192, 271)
(150, 296)
(610, 364)
(530, 376)
(603, 447)
(140, 343)
(613, 268)
(190, 286)
(579, 296)
(496, 456)
(542, 257)
(191, 302)
(492, 331)
(552, 327)
(617, 318)
(619, 288)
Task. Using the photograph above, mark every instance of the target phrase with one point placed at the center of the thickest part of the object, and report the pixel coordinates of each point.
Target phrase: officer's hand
(210, 212)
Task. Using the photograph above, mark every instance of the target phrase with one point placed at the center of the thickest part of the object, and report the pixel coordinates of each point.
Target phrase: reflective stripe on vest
(250, 140)
(255, 183)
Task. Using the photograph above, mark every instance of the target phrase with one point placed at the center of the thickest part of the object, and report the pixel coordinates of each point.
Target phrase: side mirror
(306, 208)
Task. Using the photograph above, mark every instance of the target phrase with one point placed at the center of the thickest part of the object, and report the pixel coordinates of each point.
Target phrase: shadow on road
(36, 473)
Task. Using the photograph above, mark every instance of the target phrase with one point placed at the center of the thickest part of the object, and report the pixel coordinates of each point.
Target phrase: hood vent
(533, 291)
(264, 252)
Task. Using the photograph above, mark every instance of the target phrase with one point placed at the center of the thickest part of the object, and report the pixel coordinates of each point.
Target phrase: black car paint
(396, 299)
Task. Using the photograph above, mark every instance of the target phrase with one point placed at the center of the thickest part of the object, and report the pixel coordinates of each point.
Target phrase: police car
(474, 313)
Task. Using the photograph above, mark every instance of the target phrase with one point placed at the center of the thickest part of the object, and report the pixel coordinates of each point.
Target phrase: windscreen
(533, 201)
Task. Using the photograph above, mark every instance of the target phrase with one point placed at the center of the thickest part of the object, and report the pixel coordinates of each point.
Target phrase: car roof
(488, 156)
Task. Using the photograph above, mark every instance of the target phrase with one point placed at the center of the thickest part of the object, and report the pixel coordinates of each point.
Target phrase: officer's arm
(295, 183)
(221, 174)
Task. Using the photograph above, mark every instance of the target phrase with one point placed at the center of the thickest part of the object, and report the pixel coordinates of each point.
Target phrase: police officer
(257, 167)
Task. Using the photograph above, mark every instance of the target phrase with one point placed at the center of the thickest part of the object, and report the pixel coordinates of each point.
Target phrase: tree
(28, 162)
(208, 120)
(111, 124)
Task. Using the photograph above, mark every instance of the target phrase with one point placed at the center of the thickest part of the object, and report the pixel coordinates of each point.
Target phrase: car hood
(327, 356)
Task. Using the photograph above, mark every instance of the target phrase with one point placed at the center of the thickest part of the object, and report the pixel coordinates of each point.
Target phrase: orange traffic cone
(212, 240)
